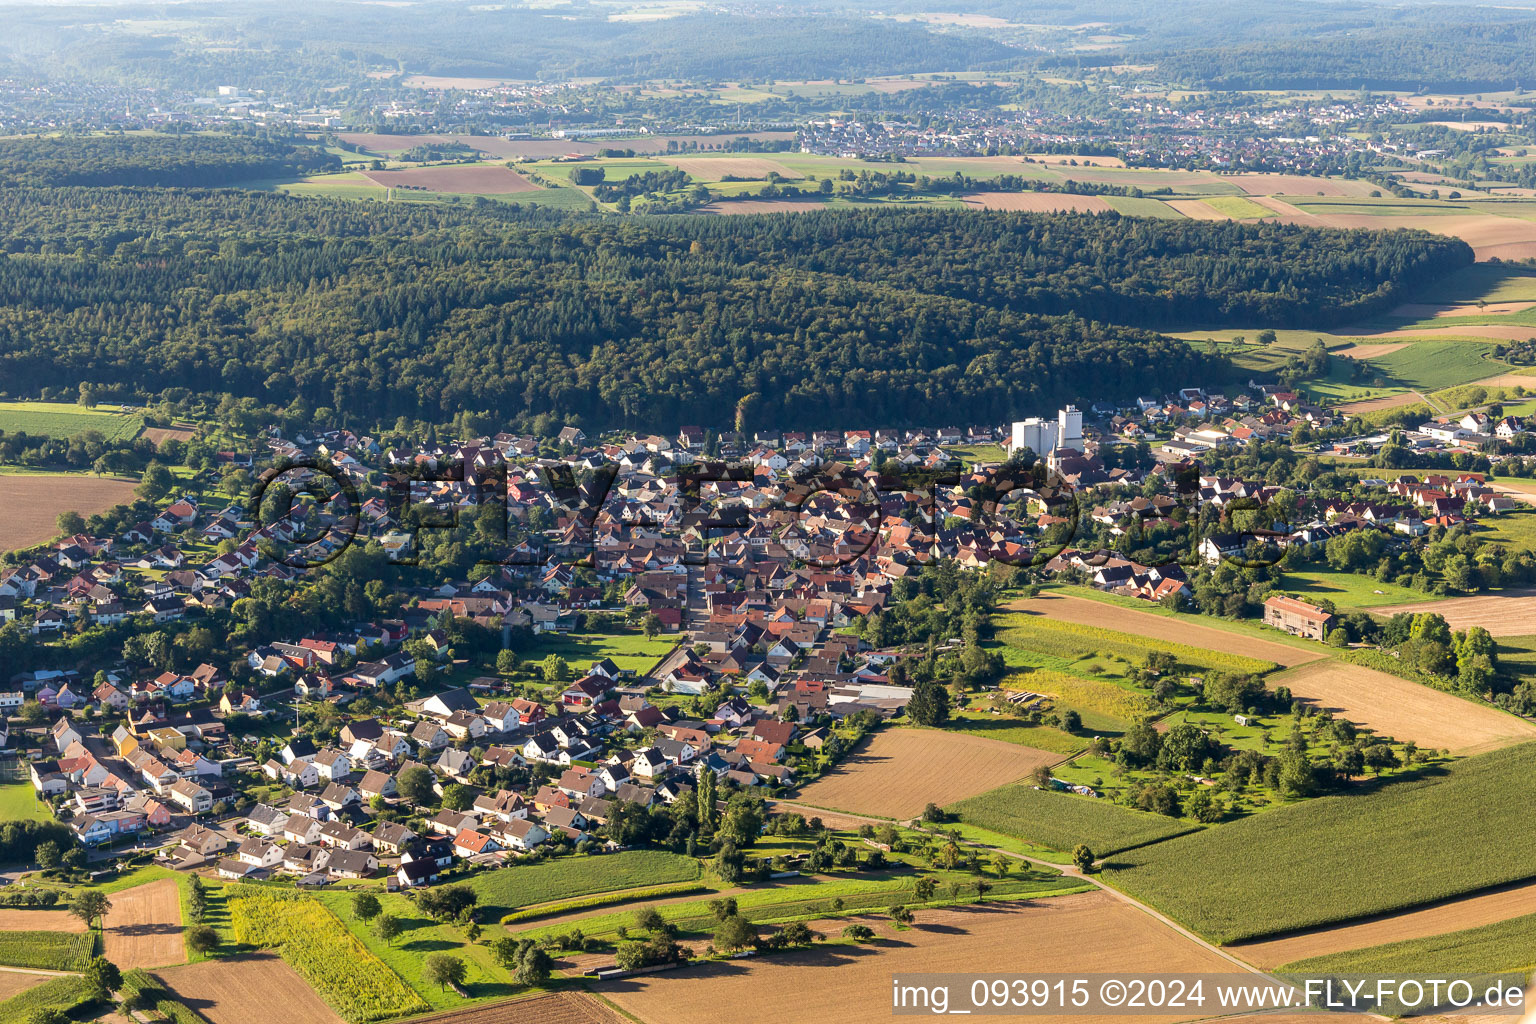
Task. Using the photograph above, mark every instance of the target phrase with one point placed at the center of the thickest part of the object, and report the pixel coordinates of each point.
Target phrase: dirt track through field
(254, 989)
(559, 1008)
(143, 928)
(1452, 916)
(1505, 614)
(898, 772)
(1181, 630)
(1404, 710)
(1083, 932)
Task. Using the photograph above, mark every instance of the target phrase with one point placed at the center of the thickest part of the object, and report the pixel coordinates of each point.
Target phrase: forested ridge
(828, 319)
(163, 160)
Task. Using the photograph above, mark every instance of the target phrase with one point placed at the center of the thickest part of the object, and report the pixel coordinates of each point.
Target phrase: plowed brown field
(1405, 710)
(560, 1008)
(1085, 932)
(14, 983)
(32, 503)
(1181, 630)
(39, 921)
(144, 926)
(254, 989)
(898, 772)
(1452, 916)
(1507, 614)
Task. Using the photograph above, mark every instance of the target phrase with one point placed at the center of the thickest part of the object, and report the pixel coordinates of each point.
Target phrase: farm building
(1297, 617)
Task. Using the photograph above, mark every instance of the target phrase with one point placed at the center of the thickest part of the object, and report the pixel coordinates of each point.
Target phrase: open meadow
(1083, 932)
(1454, 831)
(897, 772)
(33, 503)
(1392, 706)
(65, 419)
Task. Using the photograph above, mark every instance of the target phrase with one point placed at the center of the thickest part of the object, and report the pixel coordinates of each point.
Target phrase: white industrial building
(1043, 436)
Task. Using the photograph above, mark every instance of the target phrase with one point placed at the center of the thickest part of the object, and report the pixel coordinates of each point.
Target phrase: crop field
(1138, 206)
(1180, 630)
(897, 772)
(1391, 706)
(315, 943)
(466, 179)
(1436, 364)
(13, 983)
(49, 951)
(63, 419)
(1489, 949)
(521, 885)
(1037, 202)
(1082, 932)
(1453, 916)
(1504, 614)
(64, 993)
(1061, 821)
(1456, 831)
(257, 988)
(1029, 629)
(1112, 697)
(711, 168)
(742, 207)
(39, 921)
(143, 928)
(1298, 184)
(33, 503)
(1238, 208)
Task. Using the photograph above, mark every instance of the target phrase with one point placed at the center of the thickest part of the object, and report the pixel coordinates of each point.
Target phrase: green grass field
(1514, 529)
(1347, 589)
(64, 419)
(1134, 206)
(1061, 820)
(520, 885)
(1463, 828)
(19, 802)
(1492, 949)
(980, 722)
(1239, 207)
(1387, 206)
(630, 651)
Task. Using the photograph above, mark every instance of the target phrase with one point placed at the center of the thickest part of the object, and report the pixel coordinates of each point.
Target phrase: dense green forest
(164, 160)
(377, 311)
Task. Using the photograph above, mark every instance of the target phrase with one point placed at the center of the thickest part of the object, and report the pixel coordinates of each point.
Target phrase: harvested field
(1161, 627)
(468, 179)
(1297, 184)
(1489, 235)
(254, 989)
(1036, 202)
(542, 149)
(1082, 161)
(1505, 614)
(711, 168)
(143, 928)
(33, 503)
(1377, 404)
(1367, 351)
(1082, 932)
(40, 921)
(1404, 710)
(1509, 332)
(1288, 213)
(1451, 916)
(14, 983)
(160, 435)
(744, 206)
(897, 772)
(1424, 310)
(1197, 209)
(559, 1008)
